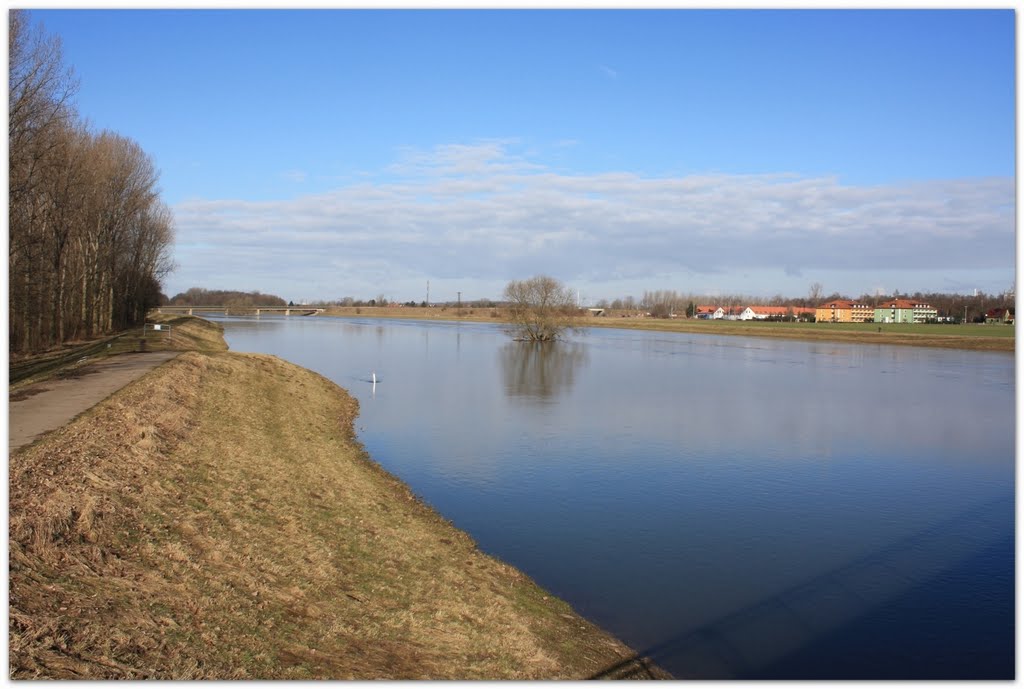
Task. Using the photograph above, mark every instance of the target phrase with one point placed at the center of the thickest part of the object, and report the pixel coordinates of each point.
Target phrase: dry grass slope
(217, 519)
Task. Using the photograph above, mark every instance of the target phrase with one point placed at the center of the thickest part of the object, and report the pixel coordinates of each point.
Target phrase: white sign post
(156, 327)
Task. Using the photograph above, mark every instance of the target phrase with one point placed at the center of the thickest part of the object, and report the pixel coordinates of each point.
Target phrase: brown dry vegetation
(186, 333)
(441, 313)
(218, 519)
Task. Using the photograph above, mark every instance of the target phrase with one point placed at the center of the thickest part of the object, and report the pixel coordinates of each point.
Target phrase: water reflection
(724, 502)
(746, 643)
(540, 371)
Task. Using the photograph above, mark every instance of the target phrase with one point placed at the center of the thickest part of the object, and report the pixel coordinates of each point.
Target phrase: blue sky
(328, 153)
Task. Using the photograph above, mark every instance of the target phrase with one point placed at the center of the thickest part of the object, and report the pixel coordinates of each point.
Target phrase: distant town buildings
(752, 313)
(761, 313)
(898, 310)
(905, 311)
(844, 311)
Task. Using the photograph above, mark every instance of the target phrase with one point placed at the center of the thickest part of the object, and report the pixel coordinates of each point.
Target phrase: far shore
(971, 336)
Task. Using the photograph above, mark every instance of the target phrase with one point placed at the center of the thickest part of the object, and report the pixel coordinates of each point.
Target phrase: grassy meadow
(969, 336)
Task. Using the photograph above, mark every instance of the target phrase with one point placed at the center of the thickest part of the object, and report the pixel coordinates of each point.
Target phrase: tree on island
(540, 308)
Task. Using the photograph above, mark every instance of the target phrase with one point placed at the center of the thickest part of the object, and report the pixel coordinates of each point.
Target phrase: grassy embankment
(972, 336)
(218, 519)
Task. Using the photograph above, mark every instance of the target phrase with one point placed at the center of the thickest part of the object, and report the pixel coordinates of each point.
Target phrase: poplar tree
(89, 239)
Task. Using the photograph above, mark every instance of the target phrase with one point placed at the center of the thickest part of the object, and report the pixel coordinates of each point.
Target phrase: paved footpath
(50, 404)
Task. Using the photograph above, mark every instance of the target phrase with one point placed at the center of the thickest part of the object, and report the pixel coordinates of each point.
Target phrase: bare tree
(541, 308)
(39, 93)
(88, 237)
(814, 294)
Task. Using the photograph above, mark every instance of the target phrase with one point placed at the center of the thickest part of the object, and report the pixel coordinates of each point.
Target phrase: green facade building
(895, 311)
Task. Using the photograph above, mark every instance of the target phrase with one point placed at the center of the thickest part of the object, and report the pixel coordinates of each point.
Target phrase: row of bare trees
(89, 237)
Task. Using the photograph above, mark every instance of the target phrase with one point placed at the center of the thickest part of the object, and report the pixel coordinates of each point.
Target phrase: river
(745, 508)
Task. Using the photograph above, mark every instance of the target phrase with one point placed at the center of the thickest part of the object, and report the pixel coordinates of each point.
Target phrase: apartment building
(905, 311)
(844, 311)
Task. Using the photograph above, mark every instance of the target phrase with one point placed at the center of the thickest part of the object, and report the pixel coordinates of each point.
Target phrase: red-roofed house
(999, 316)
(774, 313)
(705, 311)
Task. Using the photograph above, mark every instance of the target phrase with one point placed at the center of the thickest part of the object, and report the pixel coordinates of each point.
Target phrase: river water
(733, 507)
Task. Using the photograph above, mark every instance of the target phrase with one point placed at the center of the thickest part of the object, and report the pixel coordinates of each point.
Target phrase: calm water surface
(735, 507)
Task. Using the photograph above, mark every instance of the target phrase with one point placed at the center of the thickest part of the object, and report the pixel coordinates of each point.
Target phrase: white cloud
(480, 214)
(486, 158)
(297, 176)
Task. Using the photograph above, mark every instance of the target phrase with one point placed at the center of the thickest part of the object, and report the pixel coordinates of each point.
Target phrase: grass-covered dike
(218, 519)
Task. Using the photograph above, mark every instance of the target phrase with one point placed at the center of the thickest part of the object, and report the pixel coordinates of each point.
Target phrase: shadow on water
(540, 371)
(751, 642)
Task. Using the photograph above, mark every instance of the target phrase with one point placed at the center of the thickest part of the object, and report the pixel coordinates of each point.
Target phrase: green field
(970, 336)
(929, 329)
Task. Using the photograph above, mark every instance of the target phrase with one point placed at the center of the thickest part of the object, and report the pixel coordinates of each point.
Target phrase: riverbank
(978, 337)
(218, 519)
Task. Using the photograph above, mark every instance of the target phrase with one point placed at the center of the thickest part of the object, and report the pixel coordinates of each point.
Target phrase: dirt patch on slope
(27, 393)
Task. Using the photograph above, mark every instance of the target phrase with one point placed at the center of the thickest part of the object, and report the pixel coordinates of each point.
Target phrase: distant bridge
(242, 310)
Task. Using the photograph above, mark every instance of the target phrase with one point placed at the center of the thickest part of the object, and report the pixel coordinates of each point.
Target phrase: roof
(844, 304)
(897, 304)
(780, 310)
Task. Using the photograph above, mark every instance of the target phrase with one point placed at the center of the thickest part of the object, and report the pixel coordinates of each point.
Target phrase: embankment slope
(217, 519)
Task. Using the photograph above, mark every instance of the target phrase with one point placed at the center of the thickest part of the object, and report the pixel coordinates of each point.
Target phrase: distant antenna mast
(428, 292)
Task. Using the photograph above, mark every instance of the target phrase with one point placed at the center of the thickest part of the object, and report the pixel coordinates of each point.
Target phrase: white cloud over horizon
(481, 215)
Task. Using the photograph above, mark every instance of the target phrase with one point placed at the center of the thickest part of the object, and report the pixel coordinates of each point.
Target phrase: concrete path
(48, 405)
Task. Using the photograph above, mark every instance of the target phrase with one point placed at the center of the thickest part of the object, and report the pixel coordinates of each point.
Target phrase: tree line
(664, 303)
(89, 236)
(197, 296)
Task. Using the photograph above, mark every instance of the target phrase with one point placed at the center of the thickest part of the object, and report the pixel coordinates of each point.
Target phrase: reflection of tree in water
(540, 370)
